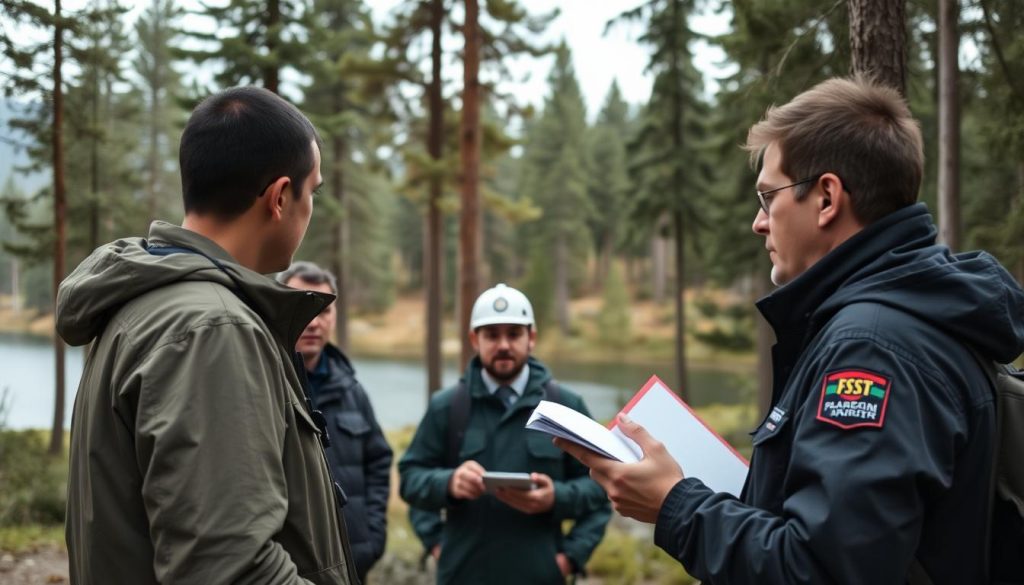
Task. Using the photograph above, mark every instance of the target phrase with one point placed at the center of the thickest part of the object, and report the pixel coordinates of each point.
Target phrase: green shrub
(33, 484)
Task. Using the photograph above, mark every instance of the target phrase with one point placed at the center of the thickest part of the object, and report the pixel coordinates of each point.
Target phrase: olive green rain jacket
(194, 457)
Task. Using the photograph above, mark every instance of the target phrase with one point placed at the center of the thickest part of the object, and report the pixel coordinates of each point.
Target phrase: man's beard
(504, 376)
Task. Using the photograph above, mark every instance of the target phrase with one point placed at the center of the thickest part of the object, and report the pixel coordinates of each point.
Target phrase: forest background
(440, 181)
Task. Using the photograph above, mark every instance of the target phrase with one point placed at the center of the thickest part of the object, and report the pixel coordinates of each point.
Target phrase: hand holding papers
(698, 450)
(562, 421)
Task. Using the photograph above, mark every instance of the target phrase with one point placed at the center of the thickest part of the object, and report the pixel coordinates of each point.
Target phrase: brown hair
(859, 130)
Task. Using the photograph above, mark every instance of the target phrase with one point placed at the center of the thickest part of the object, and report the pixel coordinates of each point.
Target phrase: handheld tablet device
(518, 481)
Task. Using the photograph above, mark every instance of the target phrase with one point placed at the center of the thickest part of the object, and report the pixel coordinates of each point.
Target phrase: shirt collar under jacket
(518, 385)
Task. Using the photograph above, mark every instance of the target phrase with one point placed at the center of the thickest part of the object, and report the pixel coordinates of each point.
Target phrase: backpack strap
(458, 416)
(458, 420)
(552, 391)
(917, 575)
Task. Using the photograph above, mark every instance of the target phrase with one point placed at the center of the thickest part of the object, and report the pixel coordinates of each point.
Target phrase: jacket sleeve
(209, 431)
(852, 499)
(427, 526)
(423, 477)
(581, 499)
(377, 458)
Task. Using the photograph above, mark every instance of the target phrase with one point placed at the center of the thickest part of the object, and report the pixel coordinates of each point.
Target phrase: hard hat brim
(500, 320)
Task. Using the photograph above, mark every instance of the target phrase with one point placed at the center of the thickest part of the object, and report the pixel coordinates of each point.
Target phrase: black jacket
(878, 445)
(359, 455)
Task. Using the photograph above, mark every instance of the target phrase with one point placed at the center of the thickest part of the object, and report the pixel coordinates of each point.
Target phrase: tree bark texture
(272, 71)
(433, 235)
(658, 254)
(949, 123)
(878, 41)
(678, 221)
(339, 248)
(562, 283)
(678, 226)
(469, 150)
(59, 220)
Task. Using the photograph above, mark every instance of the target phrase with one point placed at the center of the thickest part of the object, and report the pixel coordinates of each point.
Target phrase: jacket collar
(792, 310)
(285, 311)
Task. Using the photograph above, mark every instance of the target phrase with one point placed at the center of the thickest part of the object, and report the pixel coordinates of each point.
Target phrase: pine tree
(668, 157)
(780, 50)
(252, 40)
(608, 178)
(156, 29)
(614, 317)
(347, 101)
(994, 137)
(416, 19)
(554, 173)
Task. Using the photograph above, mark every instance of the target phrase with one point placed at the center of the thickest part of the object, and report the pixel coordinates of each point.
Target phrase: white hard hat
(501, 304)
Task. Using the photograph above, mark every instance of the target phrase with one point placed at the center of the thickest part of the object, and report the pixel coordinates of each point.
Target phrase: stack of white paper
(700, 452)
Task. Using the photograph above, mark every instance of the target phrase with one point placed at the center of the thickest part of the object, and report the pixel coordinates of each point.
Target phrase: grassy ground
(33, 491)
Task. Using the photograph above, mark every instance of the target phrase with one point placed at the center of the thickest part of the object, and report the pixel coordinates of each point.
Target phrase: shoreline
(398, 333)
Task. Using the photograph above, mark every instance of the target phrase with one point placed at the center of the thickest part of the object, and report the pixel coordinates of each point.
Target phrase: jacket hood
(121, 271)
(896, 262)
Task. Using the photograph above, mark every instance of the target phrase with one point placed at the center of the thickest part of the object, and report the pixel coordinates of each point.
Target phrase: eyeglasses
(765, 201)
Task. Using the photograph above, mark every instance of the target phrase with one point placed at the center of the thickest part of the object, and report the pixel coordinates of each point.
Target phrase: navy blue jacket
(878, 445)
(359, 455)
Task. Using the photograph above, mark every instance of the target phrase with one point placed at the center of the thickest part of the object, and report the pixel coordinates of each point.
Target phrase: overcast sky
(598, 58)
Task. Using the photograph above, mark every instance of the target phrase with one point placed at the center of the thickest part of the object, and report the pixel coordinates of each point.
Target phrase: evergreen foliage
(614, 321)
(554, 174)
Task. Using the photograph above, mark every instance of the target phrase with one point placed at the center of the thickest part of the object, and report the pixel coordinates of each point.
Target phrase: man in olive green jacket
(194, 455)
(503, 536)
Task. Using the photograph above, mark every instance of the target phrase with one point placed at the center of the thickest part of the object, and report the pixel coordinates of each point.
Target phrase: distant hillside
(11, 157)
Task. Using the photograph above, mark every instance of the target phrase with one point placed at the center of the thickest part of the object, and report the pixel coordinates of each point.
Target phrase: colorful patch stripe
(853, 398)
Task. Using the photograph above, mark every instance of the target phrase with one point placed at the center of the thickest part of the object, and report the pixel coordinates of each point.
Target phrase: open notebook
(700, 452)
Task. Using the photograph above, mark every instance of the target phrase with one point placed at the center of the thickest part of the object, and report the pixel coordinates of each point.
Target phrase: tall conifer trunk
(272, 72)
(434, 233)
(59, 215)
(469, 149)
(949, 123)
(878, 40)
(339, 235)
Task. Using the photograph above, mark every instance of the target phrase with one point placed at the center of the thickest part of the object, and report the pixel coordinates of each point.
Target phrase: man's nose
(760, 225)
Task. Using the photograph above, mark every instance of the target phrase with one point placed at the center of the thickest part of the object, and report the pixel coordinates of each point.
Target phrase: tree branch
(814, 26)
(1016, 91)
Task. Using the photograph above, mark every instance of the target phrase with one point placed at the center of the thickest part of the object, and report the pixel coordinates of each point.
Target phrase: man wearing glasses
(873, 461)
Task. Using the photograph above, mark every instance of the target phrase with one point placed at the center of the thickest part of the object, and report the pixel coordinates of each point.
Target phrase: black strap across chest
(458, 416)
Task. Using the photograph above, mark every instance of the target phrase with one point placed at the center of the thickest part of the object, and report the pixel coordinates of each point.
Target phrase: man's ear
(833, 200)
(474, 341)
(275, 197)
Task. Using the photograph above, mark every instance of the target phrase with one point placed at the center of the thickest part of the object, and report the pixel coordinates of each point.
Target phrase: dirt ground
(36, 567)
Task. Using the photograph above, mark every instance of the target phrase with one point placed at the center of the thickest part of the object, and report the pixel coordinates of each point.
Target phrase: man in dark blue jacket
(359, 454)
(873, 462)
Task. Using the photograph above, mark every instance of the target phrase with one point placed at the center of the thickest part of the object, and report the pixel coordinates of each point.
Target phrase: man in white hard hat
(501, 535)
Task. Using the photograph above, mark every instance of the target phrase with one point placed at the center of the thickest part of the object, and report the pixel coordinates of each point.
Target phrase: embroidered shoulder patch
(854, 398)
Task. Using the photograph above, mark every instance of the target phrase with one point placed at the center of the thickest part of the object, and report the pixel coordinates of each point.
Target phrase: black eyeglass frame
(765, 200)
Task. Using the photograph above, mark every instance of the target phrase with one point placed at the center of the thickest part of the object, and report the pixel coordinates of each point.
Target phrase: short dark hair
(856, 128)
(235, 144)
(310, 274)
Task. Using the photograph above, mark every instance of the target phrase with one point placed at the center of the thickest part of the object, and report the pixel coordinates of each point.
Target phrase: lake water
(397, 388)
